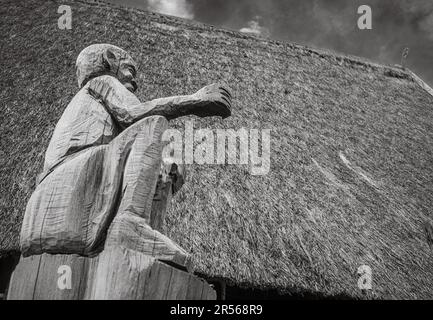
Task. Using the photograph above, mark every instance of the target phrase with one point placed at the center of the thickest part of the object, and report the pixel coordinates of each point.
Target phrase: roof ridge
(420, 82)
(332, 56)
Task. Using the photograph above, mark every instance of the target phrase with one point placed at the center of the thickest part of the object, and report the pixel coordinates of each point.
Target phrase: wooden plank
(24, 277)
(159, 281)
(209, 292)
(47, 285)
(91, 269)
(195, 288)
(178, 285)
(119, 274)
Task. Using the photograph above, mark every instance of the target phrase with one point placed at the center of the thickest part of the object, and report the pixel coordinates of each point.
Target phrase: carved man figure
(102, 164)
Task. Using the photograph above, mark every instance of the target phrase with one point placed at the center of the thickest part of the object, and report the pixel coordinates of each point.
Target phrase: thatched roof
(351, 148)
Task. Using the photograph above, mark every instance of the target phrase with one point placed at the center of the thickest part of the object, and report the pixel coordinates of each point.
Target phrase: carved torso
(84, 123)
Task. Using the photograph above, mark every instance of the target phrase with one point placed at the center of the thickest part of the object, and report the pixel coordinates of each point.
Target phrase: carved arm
(124, 106)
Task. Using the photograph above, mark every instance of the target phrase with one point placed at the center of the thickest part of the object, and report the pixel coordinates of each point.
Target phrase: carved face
(100, 59)
(127, 73)
(120, 64)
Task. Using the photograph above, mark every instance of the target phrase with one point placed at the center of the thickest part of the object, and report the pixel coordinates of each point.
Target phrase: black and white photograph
(218, 154)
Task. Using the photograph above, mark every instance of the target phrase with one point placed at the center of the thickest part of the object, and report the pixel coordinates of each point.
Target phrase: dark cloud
(330, 24)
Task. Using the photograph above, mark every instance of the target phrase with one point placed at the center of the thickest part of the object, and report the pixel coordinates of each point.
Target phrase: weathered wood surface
(171, 179)
(104, 190)
(105, 155)
(132, 232)
(71, 209)
(116, 274)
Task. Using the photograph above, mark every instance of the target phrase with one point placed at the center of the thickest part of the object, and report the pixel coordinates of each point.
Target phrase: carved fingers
(217, 99)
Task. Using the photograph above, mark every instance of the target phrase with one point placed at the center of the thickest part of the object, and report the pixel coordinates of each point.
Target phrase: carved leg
(142, 142)
(130, 266)
(131, 226)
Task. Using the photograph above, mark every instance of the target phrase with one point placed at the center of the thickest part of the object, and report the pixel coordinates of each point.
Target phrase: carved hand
(213, 100)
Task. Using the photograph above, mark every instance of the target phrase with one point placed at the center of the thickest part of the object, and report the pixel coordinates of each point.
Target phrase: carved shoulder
(115, 97)
(100, 87)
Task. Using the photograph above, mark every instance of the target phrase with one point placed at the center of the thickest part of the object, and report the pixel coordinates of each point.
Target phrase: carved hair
(99, 59)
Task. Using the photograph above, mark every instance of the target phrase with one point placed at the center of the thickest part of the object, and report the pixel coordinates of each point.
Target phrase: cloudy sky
(330, 24)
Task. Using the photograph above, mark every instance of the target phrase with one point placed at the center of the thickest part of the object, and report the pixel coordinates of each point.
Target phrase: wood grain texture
(115, 274)
(100, 203)
(132, 232)
(47, 288)
(171, 178)
(23, 281)
(91, 165)
(73, 206)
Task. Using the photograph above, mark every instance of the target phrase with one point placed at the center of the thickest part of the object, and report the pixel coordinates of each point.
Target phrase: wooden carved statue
(100, 201)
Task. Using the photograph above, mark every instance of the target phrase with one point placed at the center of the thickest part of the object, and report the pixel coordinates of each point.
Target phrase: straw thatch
(351, 148)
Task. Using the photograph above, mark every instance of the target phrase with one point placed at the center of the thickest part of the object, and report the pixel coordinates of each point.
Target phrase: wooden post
(117, 273)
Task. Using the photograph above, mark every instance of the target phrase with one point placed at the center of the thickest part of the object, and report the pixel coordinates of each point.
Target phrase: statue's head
(101, 59)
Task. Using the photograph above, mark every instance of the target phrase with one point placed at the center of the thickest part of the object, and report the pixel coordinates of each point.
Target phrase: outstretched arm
(123, 105)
